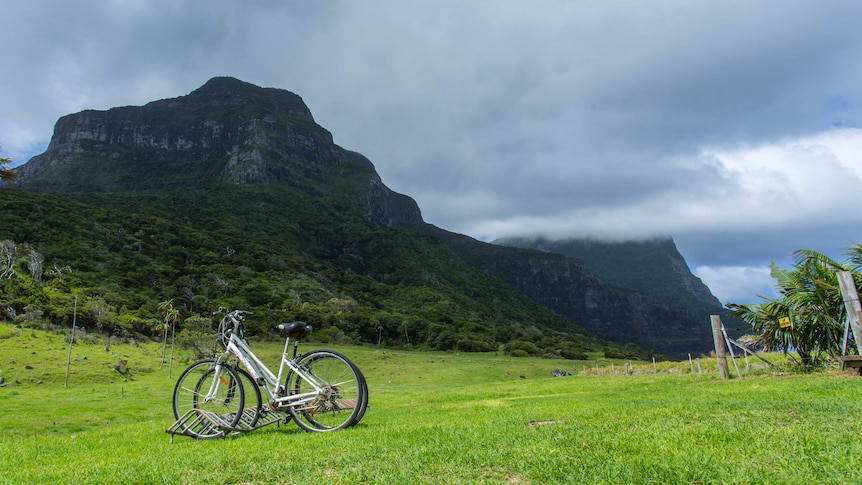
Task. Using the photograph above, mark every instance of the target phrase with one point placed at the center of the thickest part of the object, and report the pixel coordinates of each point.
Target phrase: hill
(233, 195)
(653, 268)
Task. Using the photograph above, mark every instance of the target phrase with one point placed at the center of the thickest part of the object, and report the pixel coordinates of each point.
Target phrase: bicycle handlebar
(235, 313)
(231, 322)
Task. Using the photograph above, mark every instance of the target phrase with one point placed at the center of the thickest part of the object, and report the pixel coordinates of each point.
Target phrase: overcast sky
(735, 127)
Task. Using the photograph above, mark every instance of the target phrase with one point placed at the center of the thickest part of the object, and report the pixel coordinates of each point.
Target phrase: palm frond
(854, 258)
(802, 256)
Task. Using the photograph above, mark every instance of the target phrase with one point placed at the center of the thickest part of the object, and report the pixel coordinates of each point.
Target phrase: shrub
(527, 347)
(473, 345)
(572, 354)
(332, 334)
(197, 335)
(614, 354)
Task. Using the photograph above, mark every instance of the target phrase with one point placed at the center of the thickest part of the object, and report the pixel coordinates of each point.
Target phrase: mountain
(656, 271)
(225, 134)
(653, 266)
(234, 195)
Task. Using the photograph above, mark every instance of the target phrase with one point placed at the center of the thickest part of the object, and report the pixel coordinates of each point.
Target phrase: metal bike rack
(207, 422)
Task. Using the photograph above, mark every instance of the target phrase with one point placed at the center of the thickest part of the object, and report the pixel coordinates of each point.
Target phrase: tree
(197, 335)
(8, 258)
(809, 296)
(172, 316)
(6, 175)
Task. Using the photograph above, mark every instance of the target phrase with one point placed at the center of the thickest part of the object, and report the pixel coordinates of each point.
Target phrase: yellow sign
(784, 322)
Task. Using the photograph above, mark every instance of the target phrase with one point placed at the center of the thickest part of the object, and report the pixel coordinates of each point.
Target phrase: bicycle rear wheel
(363, 406)
(209, 388)
(340, 392)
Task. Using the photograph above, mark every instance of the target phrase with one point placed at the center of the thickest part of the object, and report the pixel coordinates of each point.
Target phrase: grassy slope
(433, 418)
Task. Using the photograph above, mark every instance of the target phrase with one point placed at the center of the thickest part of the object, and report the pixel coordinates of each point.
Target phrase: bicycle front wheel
(210, 388)
(252, 402)
(336, 389)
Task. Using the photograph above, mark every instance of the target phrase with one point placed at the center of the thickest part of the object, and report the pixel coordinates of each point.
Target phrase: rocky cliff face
(613, 313)
(655, 280)
(654, 266)
(227, 132)
(390, 209)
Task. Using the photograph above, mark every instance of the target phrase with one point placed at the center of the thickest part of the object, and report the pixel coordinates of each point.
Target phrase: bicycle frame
(264, 378)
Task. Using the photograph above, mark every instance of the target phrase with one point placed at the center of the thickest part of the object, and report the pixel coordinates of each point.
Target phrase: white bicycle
(321, 390)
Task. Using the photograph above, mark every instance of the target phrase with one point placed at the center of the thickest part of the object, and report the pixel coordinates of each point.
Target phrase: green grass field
(433, 418)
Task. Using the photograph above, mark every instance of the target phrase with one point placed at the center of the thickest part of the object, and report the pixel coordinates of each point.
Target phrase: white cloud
(19, 144)
(737, 284)
(783, 191)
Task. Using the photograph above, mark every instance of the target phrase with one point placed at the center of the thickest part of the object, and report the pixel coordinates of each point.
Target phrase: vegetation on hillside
(810, 297)
(121, 266)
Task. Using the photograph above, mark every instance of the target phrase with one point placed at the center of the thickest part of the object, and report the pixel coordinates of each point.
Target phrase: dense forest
(121, 266)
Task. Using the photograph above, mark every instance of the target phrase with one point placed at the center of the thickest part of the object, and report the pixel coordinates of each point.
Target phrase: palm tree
(172, 316)
(810, 297)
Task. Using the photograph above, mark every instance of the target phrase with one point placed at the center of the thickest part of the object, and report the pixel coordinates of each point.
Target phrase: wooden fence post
(720, 350)
(851, 304)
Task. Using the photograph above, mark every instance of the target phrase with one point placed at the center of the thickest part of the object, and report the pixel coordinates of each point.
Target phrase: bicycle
(320, 391)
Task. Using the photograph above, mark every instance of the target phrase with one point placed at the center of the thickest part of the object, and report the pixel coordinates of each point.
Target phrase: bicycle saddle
(294, 330)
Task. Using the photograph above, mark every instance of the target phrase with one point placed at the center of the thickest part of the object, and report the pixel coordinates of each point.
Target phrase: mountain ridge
(240, 160)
